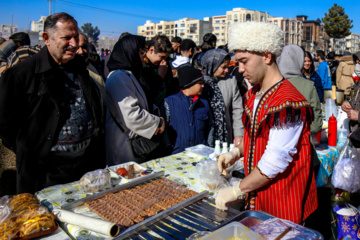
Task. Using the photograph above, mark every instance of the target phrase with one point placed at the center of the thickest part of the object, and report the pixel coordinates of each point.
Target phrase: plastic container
(224, 148)
(233, 230)
(217, 147)
(138, 170)
(330, 108)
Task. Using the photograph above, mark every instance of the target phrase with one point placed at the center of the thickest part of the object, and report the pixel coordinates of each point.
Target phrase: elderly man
(276, 147)
(51, 111)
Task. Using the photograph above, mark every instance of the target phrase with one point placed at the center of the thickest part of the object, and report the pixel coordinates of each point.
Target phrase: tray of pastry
(23, 217)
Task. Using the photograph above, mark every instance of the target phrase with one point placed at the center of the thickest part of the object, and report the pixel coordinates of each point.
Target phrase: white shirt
(280, 148)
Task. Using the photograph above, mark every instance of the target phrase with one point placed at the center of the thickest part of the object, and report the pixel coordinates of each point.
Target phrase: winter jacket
(127, 107)
(317, 83)
(30, 96)
(324, 72)
(234, 106)
(343, 74)
(188, 121)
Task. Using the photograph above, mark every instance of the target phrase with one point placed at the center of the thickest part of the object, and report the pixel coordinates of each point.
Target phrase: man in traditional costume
(276, 147)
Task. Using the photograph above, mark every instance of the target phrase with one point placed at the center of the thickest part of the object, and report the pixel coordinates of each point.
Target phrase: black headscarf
(125, 54)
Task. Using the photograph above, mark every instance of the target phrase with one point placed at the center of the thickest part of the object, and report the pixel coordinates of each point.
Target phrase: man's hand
(228, 159)
(162, 69)
(346, 106)
(353, 115)
(228, 194)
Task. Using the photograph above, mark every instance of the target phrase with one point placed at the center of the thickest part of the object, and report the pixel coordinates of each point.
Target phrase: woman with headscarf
(223, 95)
(128, 112)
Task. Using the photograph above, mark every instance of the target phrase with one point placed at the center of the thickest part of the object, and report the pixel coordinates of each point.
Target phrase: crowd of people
(66, 110)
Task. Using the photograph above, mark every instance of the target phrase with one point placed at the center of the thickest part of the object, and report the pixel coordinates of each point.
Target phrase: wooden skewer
(283, 233)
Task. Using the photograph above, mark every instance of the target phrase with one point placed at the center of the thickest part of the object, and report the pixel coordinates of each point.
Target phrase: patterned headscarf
(210, 63)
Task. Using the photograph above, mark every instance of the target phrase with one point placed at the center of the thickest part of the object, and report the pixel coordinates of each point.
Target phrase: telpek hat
(256, 37)
(188, 76)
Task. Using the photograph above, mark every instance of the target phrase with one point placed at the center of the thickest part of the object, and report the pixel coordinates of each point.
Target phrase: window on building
(159, 27)
(261, 18)
(167, 32)
(235, 20)
(235, 16)
(147, 28)
(142, 30)
(167, 27)
(229, 17)
(223, 21)
(182, 25)
(248, 17)
(217, 34)
(217, 28)
(190, 37)
(176, 25)
(182, 31)
(217, 21)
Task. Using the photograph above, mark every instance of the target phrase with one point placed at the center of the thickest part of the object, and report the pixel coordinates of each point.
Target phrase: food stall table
(328, 157)
(178, 167)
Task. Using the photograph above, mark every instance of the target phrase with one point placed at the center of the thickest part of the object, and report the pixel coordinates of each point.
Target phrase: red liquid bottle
(332, 131)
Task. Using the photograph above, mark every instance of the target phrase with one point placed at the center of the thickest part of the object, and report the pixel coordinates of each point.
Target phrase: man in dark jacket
(51, 112)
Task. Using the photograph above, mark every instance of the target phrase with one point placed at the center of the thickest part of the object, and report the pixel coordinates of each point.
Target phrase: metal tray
(178, 222)
(252, 218)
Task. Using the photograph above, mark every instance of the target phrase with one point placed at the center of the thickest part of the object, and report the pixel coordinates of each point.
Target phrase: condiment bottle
(231, 147)
(332, 131)
(224, 148)
(217, 147)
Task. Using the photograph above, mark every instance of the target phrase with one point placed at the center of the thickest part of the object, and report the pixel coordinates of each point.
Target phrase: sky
(113, 17)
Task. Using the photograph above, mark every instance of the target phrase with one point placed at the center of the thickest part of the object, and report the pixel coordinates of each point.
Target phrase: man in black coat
(51, 111)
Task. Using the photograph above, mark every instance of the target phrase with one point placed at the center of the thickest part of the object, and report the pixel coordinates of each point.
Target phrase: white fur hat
(257, 37)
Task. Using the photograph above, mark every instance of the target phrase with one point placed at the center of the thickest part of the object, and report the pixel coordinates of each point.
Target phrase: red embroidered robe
(292, 194)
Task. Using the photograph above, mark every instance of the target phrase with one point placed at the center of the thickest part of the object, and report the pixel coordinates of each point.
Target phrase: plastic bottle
(332, 131)
(217, 147)
(224, 148)
(231, 147)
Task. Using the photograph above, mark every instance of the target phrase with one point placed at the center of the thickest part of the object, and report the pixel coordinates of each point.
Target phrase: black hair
(161, 44)
(186, 44)
(21, 37)
(321, 54)
(206, 47)
(224, 47)
(177, 40)
(311, 70)
(123, 35)
(87, 40)
(51, 20)
(209, 38)
(330, 55)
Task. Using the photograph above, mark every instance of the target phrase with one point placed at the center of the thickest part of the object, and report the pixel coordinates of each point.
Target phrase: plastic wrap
(210, 176)
(273, 228)
(28, 218)
(95, 181)
(346, 175)
(5, 209)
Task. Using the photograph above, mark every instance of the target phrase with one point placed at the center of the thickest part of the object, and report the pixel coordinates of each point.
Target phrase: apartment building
(222, 24)
(353, 43)
(6, 30)
(38, 26)
(292, 28)
(190, 28)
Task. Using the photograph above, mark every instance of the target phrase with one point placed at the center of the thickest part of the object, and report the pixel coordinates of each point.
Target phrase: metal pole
(49, 7)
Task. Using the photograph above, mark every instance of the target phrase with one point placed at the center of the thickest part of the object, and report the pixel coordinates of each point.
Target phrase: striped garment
(291, 195)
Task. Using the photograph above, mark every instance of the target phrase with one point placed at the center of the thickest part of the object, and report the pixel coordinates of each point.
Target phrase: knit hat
(257, 37)
(188, 76)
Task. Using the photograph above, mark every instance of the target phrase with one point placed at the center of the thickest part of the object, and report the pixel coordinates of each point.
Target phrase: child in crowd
(188, 118)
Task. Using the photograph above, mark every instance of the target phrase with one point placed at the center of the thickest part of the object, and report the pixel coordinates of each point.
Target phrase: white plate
(126, 166)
